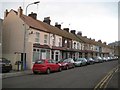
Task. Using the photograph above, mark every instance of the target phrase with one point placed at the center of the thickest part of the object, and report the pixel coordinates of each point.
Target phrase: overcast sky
(96, 19)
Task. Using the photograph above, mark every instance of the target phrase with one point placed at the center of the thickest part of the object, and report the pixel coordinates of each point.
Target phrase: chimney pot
(79, 33)
(20, 11)
(33, 15)
(73, 31)
(47, 20)
(66, 29)
(6, 13)
(93, 39)
(105, 43)
(85, 36)
(100, 41)
(58, 25)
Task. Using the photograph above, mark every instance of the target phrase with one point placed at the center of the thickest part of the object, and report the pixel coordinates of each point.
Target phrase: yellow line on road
(105, 80)
(110, 78)
(102, 82)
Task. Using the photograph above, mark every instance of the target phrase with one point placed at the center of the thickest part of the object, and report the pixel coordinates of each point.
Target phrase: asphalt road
(81, 77)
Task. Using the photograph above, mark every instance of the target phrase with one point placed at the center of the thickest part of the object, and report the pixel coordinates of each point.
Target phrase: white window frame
(78, 45)
(59, 42)
(37, 38)
(45, 39)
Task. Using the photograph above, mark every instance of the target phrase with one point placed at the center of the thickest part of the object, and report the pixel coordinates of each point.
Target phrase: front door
(43, 55)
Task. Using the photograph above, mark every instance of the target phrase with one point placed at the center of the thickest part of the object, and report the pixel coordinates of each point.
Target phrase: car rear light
(59, 64)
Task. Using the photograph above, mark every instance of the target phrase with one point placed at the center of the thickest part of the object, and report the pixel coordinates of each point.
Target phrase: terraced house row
(43, 40)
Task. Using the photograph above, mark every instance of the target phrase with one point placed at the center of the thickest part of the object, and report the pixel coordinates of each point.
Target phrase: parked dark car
(90, 61)
(67, 63)
(45, 66)
(80, 62)
(5, 65)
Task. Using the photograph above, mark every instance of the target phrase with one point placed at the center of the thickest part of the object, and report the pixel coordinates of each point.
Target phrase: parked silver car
(104, 59)
(98, 59)
(80, 62)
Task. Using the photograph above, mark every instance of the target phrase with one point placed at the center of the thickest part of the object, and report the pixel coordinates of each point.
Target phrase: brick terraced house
(44, 41)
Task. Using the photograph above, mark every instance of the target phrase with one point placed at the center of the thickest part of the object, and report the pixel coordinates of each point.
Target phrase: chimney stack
(79, 33)
(58, 25)
(20, 11)
(100, 41)
(33, 15)
(93, 39)
(66, 29)
(105, 43)
(6, 13)
(89, 38)
(85, 36)
(47, 20)
(73, 31)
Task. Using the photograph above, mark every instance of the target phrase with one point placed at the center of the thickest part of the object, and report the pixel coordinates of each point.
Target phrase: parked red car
(67, 63)
(45, 66)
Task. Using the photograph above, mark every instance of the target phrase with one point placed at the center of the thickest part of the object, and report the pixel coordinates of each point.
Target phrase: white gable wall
(13, 37)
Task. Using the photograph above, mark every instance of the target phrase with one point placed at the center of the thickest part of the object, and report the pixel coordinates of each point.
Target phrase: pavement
(15, 73)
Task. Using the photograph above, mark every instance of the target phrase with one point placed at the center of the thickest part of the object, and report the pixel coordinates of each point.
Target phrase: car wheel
(60, 69)
(73, 66)
(8, 70)
(48, 71)
(80, 64)
(67, 67)
(35, 72)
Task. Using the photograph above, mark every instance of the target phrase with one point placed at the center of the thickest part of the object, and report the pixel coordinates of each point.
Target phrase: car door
(83, 62)
(50, 65)
(54, 65)
(71, 63)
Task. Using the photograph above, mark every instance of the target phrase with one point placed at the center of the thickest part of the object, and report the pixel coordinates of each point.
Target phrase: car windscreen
(5, 60)
(78, 59)
(65, 61)
(99, 58)
(39, 62)
(90, 59)
(61, 60)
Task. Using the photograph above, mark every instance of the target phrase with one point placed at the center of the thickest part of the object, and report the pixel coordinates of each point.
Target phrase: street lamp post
(25, 31)
(31, 4)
